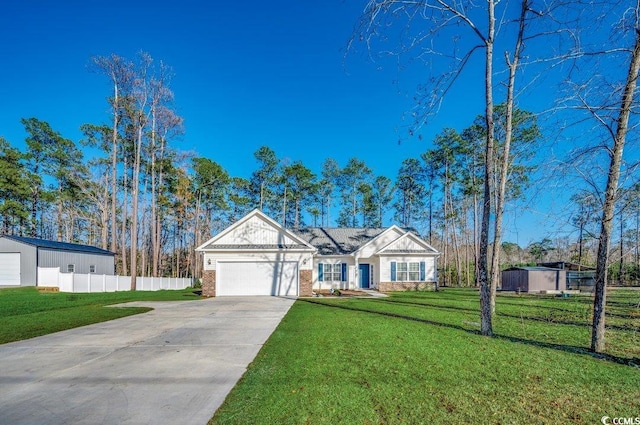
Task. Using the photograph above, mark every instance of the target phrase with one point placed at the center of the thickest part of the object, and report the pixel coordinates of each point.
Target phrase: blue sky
(247, 74)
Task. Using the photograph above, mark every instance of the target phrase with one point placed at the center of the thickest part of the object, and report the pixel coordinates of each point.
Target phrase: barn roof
(61, 246)
(532, 268)
(566, 265)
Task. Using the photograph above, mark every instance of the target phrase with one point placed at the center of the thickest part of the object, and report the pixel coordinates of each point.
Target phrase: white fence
(77, 282)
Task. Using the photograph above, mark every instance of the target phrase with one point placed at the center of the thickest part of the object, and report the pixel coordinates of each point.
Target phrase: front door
(365, 275)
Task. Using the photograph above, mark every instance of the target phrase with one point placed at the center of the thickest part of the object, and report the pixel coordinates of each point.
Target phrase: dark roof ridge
(45, 243)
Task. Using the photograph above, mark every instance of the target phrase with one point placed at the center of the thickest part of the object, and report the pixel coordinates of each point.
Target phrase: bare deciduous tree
(120, 72)
(619, 136)
(438, 18)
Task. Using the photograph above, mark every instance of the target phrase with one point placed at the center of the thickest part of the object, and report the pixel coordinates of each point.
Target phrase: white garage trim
(257, 278)
(10, 269)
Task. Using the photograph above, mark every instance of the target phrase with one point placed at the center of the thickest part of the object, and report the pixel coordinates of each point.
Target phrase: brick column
(306, 283)
(209, 283)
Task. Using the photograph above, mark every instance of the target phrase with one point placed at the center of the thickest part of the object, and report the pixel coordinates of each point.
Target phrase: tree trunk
(59, 223)
(355, 212)
(134, 204)
(503, 167)
(445, 235)
(580, 238)
(456, 245)
(621, 268)
(157, 253)
(154, 197)
(197, 239)
(35, 200)
(431, 211)
(114, 166)
(284, 208)
(637, 264)
(598, 330)
(125, 214)
(476, 239)
(104, 216)
(486, 326)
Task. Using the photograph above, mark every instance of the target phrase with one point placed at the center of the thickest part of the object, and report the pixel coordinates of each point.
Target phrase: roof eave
(311, 251)
(423, 254)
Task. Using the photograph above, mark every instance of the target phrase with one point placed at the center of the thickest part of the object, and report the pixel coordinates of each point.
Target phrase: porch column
(356, 273)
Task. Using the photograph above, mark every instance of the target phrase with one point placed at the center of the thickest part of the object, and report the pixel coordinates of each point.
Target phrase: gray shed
(534, 279)
(20, 258)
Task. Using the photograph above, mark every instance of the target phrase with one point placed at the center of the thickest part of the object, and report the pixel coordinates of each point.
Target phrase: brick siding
(306, 283)
(209, 283)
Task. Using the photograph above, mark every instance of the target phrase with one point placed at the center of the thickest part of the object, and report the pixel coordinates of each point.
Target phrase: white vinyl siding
(373, 246)
(255, 231)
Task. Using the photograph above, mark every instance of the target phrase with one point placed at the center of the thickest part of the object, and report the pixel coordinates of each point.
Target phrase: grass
(417, 358)
(27, 313)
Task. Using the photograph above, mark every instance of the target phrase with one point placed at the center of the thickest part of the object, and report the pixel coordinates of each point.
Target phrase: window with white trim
(71, 268)
(408, 271)
(332, 272)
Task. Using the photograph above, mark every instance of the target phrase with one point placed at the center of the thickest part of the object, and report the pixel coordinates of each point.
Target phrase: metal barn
(534, 279)
(579, 277)
(20, 258)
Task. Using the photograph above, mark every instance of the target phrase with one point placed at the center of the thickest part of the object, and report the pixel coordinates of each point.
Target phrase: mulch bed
(342, 293)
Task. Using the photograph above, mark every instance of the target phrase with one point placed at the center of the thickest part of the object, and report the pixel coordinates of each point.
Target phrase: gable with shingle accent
(408, 243)
(255, 231)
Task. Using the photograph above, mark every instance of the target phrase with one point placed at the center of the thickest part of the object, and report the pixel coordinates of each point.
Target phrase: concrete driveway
(173, 365)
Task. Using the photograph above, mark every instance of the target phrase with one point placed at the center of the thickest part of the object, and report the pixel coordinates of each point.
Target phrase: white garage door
(9, 268)
(257, 278)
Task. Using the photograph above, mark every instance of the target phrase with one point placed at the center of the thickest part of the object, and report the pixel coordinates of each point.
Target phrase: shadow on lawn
(395, 315)
(446, 293)
(541, 319)
(580, 306)
(560, 347)
(569, 322)
(419, 304)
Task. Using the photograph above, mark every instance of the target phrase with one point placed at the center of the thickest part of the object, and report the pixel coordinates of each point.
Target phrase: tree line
(152, 204)
(51, 191)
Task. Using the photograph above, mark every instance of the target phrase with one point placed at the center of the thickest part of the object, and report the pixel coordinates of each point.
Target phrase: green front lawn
(417, 358)
(26, 313)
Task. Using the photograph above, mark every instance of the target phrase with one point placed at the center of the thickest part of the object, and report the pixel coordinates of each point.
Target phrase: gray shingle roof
(337, 241)
(64, 246)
